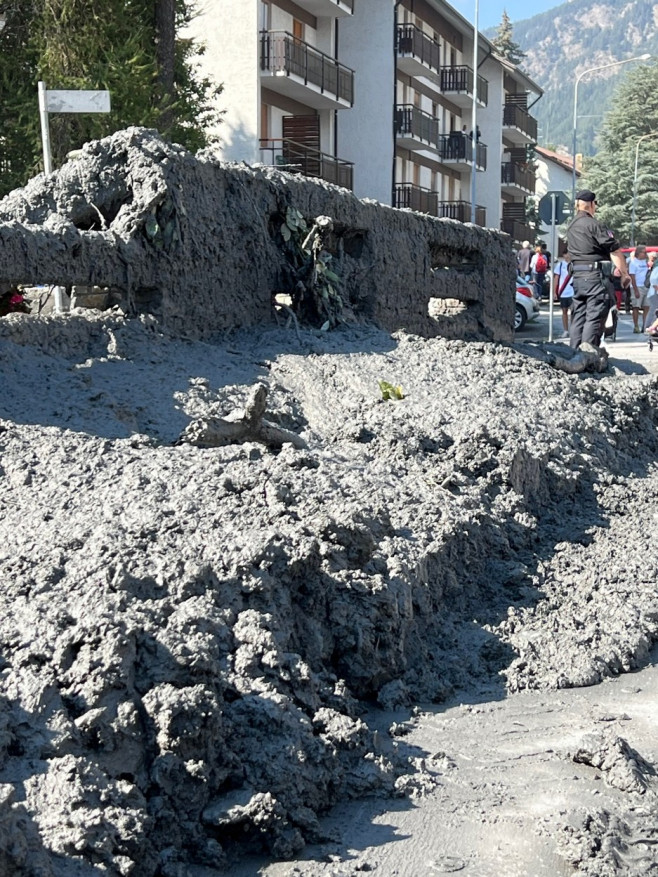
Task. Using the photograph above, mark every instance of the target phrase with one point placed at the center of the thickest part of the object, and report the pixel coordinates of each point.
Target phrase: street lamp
(644, 57)
(637, 154)
(474, 127)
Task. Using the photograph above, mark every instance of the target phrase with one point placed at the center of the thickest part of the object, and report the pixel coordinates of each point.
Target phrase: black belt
(586, 266)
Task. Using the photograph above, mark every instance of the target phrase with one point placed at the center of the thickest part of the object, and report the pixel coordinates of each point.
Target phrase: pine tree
(504, 44)
(129, 47)
(611, 172)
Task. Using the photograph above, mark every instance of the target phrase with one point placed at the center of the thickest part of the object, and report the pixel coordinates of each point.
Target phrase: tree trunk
(165, 30)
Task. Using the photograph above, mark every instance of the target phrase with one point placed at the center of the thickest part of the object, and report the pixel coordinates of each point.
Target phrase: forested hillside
(573, 37)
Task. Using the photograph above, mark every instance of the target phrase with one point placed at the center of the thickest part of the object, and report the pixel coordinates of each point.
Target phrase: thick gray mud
(196, 641)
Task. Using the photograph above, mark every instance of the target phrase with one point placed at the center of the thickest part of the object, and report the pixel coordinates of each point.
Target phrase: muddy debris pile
(190, 634)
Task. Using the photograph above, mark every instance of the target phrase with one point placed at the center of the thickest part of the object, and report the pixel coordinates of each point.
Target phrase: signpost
(554, 209)
(66, 102)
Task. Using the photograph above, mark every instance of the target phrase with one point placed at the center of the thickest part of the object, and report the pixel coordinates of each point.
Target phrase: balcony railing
(461, 210)
(518, 231)
(460, 79)
(516, 117)
(281, 52)
(410, 40)
(299, 159)
(411, 197)
(513, 174)
(411, 121)
(459, 147)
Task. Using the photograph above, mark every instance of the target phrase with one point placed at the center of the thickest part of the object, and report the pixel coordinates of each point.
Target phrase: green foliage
(504, 44)
(92, 44)
(314, 291)
(390, 391)
(611, 172)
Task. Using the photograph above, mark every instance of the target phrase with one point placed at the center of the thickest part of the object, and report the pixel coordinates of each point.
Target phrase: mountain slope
(574, 37)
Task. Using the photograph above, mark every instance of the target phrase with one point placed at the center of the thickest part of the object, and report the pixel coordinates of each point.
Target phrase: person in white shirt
(564, 290)
(637, 269)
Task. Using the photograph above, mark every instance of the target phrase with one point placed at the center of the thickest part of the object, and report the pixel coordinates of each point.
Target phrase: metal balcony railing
(459, 147)
(410, 40)
(414, 122)
(411, 197)
(461, 79)
(514, 174)
(461, 210)
(281, 52)
(516, 117)
(300, 159)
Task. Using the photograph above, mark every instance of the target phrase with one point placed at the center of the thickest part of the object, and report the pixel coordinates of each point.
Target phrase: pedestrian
(652, 300)
(523, 257)
(564, 290)
(539, 267)
(590, 244)
(637, 269)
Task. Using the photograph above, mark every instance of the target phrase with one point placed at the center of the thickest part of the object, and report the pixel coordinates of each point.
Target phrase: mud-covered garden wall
(197, 243)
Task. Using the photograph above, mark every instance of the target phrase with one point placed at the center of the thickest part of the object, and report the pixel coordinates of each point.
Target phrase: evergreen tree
(504, 44)
(611, 173)
(129, 47)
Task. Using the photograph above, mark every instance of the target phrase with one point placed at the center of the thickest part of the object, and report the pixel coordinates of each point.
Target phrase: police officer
(590, 244)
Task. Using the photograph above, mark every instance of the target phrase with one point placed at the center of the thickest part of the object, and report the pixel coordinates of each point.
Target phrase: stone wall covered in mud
(198, 243)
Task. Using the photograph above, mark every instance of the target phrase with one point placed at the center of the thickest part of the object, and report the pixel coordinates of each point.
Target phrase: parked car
(527, 306)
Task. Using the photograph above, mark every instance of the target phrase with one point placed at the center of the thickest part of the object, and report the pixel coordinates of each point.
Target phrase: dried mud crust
(189, 635)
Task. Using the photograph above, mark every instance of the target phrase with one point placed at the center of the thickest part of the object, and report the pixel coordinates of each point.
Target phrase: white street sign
(78, 101)
(66, 102)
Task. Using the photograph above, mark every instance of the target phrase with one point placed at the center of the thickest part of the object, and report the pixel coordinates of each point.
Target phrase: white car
(527, 306)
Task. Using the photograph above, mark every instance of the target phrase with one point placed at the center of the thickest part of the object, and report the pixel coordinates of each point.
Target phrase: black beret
(585, 195)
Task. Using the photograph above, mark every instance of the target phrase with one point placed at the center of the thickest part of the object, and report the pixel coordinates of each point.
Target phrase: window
(298, 30)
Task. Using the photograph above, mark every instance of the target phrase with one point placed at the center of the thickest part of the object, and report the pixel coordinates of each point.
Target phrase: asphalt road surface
(630, 353)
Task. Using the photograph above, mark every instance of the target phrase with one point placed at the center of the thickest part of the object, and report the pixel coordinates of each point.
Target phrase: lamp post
(637, 154)
(474, 127)
(644, 57)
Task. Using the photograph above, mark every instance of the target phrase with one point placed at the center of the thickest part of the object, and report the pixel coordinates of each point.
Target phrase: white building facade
(376, 96)
(554, 173)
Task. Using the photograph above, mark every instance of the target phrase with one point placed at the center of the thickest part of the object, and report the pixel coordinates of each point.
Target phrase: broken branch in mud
(247, 425)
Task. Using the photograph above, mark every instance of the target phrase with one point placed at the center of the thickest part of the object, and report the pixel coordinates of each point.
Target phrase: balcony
(327, 8)
(456, 150)
(415, 129)
(518, 231)
(299, 159)
(461, 211)
(410, 197)
(298, 70)
(519, 127)
(516, 180)
(457, 84)
(417, 54)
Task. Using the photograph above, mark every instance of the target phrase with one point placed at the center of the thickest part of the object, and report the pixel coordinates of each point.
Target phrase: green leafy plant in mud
(314, 284)
(161, 226)
(390, 391)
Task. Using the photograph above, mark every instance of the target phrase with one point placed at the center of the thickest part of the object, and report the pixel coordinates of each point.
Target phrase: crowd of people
(593, 278)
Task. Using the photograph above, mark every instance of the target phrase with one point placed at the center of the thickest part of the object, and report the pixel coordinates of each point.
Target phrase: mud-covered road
(205, 649)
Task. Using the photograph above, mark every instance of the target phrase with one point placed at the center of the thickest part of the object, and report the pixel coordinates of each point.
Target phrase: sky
(491, 11)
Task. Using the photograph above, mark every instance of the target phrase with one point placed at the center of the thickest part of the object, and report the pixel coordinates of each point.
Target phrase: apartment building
(376, 96)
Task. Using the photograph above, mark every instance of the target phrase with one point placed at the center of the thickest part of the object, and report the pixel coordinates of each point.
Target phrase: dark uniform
(589, 244)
